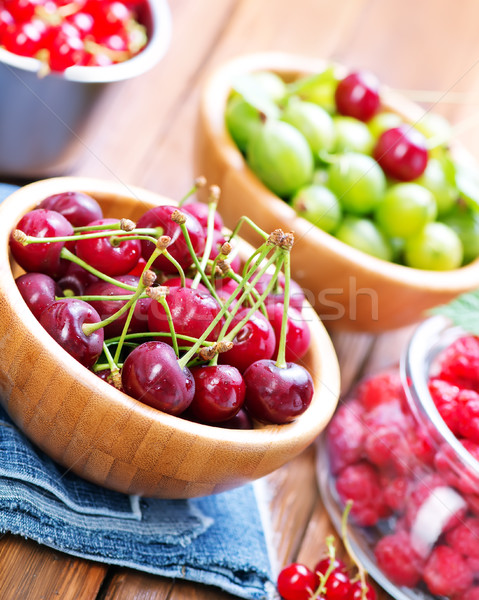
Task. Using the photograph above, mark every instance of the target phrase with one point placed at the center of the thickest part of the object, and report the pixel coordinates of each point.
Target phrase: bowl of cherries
(150, 350)
(56, 58)
(371, 186)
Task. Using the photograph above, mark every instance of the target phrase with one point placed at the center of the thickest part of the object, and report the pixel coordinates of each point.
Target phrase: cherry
(63, 320)
(106, 308)
(139, 268)
(38, 290)
(402, 153)
(21, 10)
(6, 20)
(356, 591)
(200, 211)
(65, 47)
(176, 282)
(218, 241)
(277, 394)
(24, 38)
(241, 420)
(323, 565)
(84, 23)
(298, 335)
(338, 586)
(110, 17)
(109, 258)
(152, 375)
(296, 582)
(191, 310)
(75, 280)
(255, 341)
(296, 294)
(78, 208)
(160, 216)
(357, 95)
(42, 258)
(225, 287)
(219, 393)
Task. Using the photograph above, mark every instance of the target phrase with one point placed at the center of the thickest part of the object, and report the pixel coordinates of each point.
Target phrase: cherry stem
(66, 254)
(113, 366)
(171, 325)
(323, 577)
(124, 331)
(281, 358)
(29, 239)
(93, 298)
(209, 243)
(252, 224)
(199, 183)
(116, 240)
(349, 549)
(254, 292)
(203, 276)
(266, 247)
(140, 336)
(177, 266)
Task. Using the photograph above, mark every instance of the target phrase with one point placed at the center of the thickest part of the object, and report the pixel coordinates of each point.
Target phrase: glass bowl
(414, 522)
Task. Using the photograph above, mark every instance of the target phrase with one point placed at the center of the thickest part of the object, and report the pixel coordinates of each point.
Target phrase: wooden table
(143, 134)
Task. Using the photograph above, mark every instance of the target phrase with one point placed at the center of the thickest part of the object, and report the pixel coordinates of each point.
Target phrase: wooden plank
(28, 570)
(126, 584)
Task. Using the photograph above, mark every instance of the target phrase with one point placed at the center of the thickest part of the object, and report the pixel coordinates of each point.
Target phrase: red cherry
(63, 320)
(42, 258)
(152, 375)
(296, 582)
(402, 153)
(38, 291)
(75, 280)
(78, 208)
(65, 46)
(357, 95)
(219, 394)
(356, 592)
(24, 39)
(200, 210)
(338, 586)
(109, 258)
(323, 565)
(298, 336)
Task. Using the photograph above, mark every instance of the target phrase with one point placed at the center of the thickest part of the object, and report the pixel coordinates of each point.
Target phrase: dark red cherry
(298, 336)
(296, 294)
(338, 586)
(42, 258)
(152, 375)
(160, 216)
(218, 240)
(357, 95)
(255, 341)
(402, 153)
(241, 420)
(176, 282)
(106, 308)
(38, 290)
(200, 211)
(219, 393)
(109, 257)
(356, 592)
(63, 320)
(192, 312)
(296, 582)
(78, 208)
(277, 394)
(225, 287)
(76, 279)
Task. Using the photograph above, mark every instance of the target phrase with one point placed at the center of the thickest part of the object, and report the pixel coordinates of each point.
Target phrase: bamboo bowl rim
(215, 93)
(327, 381)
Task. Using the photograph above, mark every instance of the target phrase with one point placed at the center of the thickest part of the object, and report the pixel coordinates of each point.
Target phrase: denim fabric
(218, 540)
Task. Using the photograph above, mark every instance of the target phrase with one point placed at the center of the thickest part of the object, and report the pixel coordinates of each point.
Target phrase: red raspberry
(396, 492)
(346, 435)
(468, 415)
(454, 472)
(465, 538)
(471, 594)
(460, 363)
(446, 572)
(380, 388)
(397, 559)
(360, 483)
(421, 444)
(473, 503)
(445, 396)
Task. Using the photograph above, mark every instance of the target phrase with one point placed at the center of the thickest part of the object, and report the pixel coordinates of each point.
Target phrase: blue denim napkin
(218, 540)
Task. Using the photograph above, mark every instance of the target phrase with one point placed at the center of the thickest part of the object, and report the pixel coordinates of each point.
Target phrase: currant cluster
(330, 580)
(63, 33)
(408, 489)
(164, 309)
(328, 146)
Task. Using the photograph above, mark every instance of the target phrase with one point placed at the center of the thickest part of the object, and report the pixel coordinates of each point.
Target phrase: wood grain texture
(110, 438)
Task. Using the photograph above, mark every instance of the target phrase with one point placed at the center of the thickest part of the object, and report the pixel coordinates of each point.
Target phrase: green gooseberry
(352, 135)
(382, 122)
(436, 247)
(313, 122)
(466, 224)
(271, 84)
(364, 235)
(319, 205)
(242, 121)
(436, 180)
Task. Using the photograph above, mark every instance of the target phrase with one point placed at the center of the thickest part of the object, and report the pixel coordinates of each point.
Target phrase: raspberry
(360, 483)
(454, 472)
(396, 493)
(473, 503)
(465, 538)
(445, 396)
(446, 572)
(468, 415)
(346, 435)
(471, 594)
(460, 363)
(381, 388)
(397, 559)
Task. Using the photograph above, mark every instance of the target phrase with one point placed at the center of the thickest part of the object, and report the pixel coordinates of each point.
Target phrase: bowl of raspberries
(404, 447)
(56, 58)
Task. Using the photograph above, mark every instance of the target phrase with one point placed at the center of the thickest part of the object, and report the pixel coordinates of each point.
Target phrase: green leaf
(328, 76)
(246, 86)
(462, 311)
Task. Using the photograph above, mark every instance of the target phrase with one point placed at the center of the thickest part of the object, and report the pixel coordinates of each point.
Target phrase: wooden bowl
(108, 437)
(348, 288)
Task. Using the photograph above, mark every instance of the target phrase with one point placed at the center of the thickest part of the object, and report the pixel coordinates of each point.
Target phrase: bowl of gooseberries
(127, 360)
(382, 201)
(57, 59)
